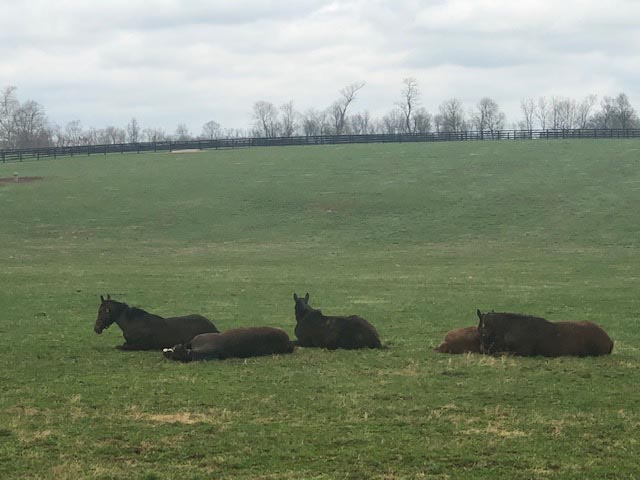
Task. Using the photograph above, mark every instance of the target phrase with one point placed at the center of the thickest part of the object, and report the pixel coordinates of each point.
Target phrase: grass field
(413, 237)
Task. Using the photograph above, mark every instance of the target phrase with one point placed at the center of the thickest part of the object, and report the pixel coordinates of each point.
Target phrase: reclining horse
(313, 329)
(530, 336)
(461, 340)
(234, 343)
(145, 331)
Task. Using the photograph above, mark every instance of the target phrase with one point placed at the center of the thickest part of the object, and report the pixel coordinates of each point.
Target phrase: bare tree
(133, 131)
(288, 116)
(57, 136)
(451, 116)
(361, 123)
(8, 106)
(340, 106)
(234, 133)
(314, 122)
(73, 133)
(182, 133)
(528, 107)
(113, 135)
(421, 121)
(583, 111)
(437, 122)
(563, 112)
(91, 136)
(488, 117)
(154, 135)
(393, 122)
(211, 130)
(626, 115)
(29, 124)
(410, 97)
(542, 112)
(265, 116)
(606, 117)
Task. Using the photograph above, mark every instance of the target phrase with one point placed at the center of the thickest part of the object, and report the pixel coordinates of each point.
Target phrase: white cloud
(169, 62)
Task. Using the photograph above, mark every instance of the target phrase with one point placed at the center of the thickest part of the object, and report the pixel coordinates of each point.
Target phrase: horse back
(356, 332)
(461, 340)
(583, 338)
(189, 326)
(241, 343)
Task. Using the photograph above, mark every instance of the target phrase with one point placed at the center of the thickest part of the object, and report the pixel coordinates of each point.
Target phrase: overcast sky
(166, 62)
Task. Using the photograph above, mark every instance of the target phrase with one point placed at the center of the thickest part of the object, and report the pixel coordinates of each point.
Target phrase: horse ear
(101, 298)
(306, 297)
(295, 296)
(479, 313)
(108, 297)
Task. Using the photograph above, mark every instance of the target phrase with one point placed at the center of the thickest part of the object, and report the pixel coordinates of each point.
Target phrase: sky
(166, 62)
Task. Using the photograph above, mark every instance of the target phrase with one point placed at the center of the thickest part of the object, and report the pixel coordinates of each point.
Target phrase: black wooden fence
(19, 155)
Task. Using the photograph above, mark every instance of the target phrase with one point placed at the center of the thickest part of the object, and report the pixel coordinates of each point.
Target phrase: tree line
(25, 124)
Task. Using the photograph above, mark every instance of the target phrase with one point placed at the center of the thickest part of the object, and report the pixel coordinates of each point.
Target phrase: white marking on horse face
(167, 350)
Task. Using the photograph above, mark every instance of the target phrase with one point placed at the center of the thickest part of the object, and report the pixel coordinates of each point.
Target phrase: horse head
(106, 314)
(302, 306)
(178, 352)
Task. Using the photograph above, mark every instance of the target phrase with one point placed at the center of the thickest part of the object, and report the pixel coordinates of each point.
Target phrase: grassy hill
(413, 237)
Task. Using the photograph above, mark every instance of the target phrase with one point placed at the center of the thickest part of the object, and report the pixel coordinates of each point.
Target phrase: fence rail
(19, 155)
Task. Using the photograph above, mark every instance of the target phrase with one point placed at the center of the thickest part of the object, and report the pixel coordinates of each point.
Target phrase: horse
(313, 329)
(233, 343)
(145, 331)
(530, 336)
(461, 340)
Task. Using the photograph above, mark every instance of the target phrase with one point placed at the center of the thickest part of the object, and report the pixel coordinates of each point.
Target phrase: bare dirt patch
(18, 179)
(187, 150)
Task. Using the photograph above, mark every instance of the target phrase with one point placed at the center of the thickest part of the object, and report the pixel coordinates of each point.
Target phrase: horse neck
(309, 313)
(124, 316)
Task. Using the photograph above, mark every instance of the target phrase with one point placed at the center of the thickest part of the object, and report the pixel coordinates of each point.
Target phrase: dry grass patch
(23, 411)
(495, 430)
(69, 470)
(210, 417)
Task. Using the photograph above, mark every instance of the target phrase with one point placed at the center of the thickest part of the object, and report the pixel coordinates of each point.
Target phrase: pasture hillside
(413, 237)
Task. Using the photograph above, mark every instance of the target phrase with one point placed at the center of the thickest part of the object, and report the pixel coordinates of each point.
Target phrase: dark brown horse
(529, 336)
(237, 342)
(146, 331)
(313, 329)
(461, 340)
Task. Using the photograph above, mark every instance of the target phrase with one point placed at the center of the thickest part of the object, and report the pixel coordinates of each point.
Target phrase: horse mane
(516, 315)
(311, 312)
(137, 312)
(132, 312)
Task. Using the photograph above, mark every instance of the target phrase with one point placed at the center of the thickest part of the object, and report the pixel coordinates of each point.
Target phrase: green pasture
(413, 237)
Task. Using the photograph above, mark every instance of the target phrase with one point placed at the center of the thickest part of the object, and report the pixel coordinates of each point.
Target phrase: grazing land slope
(412, 237)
